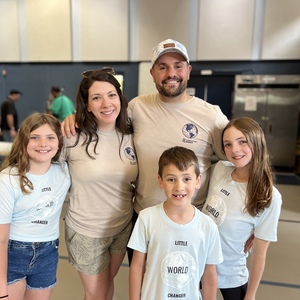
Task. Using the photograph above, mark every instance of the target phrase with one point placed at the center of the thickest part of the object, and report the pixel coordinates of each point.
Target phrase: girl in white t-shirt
(243, 202)
(33, 188)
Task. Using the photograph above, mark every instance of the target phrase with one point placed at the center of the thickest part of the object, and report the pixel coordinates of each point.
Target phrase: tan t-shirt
(194, 124)
(101, 192)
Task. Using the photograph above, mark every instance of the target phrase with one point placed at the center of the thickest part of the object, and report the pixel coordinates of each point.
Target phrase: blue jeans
(34, 262)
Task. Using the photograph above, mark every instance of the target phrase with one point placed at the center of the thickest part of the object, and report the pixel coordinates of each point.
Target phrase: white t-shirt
(176, 254)
(194, 124)
(225, 205)
(34, 217)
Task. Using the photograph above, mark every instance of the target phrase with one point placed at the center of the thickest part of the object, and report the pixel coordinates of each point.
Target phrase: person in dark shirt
(9, 116)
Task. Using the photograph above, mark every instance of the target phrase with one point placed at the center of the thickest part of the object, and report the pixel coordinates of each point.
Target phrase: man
(169, 118)
(61, 106)
(9, 116)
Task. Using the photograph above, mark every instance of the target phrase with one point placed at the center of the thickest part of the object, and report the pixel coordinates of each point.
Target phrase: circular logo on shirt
(177, 269)
(44, 207)
(129, 153)
(190, 131)
(216, 208)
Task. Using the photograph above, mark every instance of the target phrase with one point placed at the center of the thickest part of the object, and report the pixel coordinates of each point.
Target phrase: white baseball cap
(166, 46)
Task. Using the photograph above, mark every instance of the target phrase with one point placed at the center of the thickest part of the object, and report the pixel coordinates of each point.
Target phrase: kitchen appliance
(273, 101)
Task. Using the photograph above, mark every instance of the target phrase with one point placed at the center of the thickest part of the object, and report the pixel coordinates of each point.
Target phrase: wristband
(11, 128)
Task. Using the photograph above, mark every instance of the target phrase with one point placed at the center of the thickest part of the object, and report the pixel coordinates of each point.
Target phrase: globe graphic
(177, 269)
(216, 208)
(129, 152)
(190, 131)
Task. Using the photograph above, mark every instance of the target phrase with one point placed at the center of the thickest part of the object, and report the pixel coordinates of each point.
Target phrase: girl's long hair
(260, 182)
(86, 121)
(19, 157)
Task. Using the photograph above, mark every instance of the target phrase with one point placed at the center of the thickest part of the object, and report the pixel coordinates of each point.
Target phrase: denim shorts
(91, 256)
(34, 262)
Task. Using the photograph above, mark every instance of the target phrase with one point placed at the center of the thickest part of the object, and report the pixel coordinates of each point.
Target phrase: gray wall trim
(193, 28)
(22, 31)
(258, 29)
(133, 30)
(75, 12)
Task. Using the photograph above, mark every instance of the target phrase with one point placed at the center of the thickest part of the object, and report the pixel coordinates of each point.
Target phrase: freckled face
(179, 186)
(104, 103)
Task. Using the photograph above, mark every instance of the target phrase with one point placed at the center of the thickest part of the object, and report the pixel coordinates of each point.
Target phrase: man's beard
(172, 92)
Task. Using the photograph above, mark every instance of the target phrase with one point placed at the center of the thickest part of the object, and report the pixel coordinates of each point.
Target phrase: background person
(242, 200)
(103, 167)
(9, 116)
(175, 245)
(33, 188)
(61, 106)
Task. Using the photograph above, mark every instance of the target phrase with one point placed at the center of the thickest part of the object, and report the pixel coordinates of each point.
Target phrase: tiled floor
(281, 278)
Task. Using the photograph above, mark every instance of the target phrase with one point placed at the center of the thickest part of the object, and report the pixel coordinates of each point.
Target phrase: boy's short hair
(181, 157)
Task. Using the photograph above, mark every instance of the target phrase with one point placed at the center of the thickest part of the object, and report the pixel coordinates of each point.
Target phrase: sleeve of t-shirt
(215, 255)
(130, 108)
(10, 110)
(6, 199)
(220, 123)
(266, 228)
(138, 237)
(55, 106)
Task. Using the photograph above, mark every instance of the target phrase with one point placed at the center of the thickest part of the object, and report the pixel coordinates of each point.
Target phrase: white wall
(48, 30)
(120, 30)
(282, 30)
(9, 32)
(225, 30)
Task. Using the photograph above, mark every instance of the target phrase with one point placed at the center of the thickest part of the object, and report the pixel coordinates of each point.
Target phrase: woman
(103, 168)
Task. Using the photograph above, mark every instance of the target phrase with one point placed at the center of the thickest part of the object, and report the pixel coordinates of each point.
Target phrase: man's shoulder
(143, 98)
(206, 104)
(6, 101)
(66, 97)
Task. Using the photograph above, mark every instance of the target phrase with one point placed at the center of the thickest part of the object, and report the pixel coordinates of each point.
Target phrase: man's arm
(136, 274)
(11, 124)
(10, 121)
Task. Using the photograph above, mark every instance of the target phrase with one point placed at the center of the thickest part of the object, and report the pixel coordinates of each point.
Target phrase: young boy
(175, 245)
